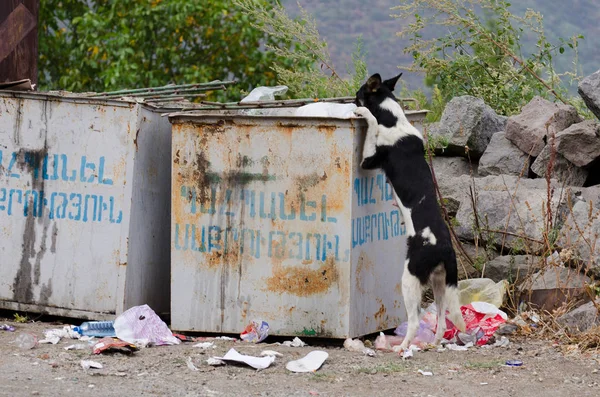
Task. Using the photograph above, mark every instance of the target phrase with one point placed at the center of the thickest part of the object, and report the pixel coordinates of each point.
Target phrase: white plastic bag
(141, 326)
(265, 93)
(327, 109)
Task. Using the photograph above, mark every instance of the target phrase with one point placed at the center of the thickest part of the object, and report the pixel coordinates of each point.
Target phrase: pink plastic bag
(482, 320)
(141, 326)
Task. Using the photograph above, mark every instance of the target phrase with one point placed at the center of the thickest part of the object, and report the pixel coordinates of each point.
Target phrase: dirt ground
(50, 370)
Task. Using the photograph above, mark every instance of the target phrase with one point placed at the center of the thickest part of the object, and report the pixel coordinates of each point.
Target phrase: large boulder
(580, 143)
(582, 318)
(467, 122)
(589, 89)
(538, 119)
(514, 268)
(509, 210)
(562, 169)
(580, 235)
(503, 157)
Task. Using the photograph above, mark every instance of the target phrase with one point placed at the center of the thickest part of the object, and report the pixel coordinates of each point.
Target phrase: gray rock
(455, 191)
(508, 207)
(538, 118)
(559, 277)
(513, 268)
(589, 90)
(580, 143)
(562, 169)
(579, 235)
(467, 122)
(503, 157)
(588, 194)
(452, 166)
(581, 319)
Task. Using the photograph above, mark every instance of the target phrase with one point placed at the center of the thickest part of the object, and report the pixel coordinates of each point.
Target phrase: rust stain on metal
(303, 281)
(380, 315)
(364, 266)
(398, 288)
(123, 264)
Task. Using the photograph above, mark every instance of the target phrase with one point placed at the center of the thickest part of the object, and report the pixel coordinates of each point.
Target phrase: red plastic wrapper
(482, 320)
(113, 344)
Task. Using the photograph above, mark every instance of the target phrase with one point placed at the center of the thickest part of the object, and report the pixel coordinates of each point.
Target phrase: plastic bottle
(96, 328)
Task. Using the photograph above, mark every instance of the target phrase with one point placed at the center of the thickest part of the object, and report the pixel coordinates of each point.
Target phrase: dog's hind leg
(451, 296)
(411, 292)
(438, 283)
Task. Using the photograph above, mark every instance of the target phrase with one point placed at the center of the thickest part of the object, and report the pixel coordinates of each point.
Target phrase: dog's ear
(391, 83)
(374, 82)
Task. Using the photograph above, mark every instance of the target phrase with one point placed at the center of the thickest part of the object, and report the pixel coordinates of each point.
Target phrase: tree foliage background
(100, 45)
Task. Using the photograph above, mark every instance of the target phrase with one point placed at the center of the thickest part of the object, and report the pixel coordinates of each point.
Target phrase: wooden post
(18, 40)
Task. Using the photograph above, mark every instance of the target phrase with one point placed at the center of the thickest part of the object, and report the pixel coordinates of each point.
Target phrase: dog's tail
(451, 294)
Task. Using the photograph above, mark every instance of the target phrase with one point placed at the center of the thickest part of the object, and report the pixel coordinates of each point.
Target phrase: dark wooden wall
(18, 40)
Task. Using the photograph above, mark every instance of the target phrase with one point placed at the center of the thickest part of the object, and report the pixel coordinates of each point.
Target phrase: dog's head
(375, 91)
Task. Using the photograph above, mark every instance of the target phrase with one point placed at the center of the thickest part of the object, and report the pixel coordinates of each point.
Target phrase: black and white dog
(396, 146)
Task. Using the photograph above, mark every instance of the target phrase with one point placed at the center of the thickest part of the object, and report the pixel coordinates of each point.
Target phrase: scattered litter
(98, 329)
(482, 320)
(265, 93)
(86, 338)
(255, 332)
(226, 338)
(190, 364)
(114, 345)
(205, 345)
(483, 383)
(407, 354)
(6, 327)
(141, 326)
(54, 336)
(425, 334)
(270, 353)
(215, 362)
(357, 345)
(514, 363)
(255, 362)
(309, 363)
(120, 374)
(507, 329)
(77, 346)
(455, 347)
(184, 338)
(387, 342)
(502, 342)
(87, 364)
(425, 373)
(297, 342)
(26, 340)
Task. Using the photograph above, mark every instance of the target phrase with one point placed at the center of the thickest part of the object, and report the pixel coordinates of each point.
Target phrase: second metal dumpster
(273, 219)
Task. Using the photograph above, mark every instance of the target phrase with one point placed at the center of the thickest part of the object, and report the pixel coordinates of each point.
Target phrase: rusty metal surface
(76, 205)
(273, 219)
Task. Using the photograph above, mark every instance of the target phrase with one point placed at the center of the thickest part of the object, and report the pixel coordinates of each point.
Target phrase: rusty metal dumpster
(273, 219)
(84, 205)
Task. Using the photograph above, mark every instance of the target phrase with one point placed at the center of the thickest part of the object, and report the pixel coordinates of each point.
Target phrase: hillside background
(340, 22)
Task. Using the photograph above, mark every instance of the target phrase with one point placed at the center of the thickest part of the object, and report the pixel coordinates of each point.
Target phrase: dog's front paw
(362, 111)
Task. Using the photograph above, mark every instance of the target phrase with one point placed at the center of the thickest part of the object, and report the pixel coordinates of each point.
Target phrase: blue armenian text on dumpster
(234, 220)
(25, 176)
(382, 221)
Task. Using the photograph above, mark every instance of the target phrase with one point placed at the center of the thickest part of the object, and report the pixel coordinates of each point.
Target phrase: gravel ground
(50, 370)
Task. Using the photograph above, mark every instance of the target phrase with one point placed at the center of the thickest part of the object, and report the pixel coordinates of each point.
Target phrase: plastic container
(96, 328)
